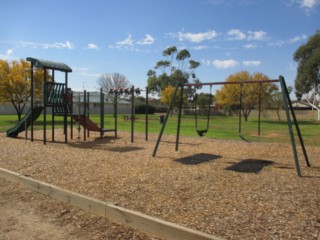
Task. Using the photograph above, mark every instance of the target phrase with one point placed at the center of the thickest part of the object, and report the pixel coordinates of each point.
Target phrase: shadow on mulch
(197, 159)
(249, 166)
(98, 143)
(125, 149)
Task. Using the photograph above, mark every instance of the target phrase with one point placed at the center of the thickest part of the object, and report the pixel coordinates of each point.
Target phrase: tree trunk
(278, 114)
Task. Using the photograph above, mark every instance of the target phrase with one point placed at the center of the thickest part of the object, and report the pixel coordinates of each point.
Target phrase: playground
(225, 188)
(230, 189)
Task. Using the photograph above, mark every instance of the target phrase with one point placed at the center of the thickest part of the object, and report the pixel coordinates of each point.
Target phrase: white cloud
(297, 38)
(250, 46)
(6, 55)
(127, 42)
(195, 37)
(309, 4)
(200, 47)
(206, 62)
(251, 63)
(258, 35)
(56, 45)
(223, 64)
(92, 46)
(280, 43)
(236, 34)
(147, 40)
(277, 43)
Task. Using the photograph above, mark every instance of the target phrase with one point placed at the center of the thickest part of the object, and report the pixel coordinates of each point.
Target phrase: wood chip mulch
(230, 189)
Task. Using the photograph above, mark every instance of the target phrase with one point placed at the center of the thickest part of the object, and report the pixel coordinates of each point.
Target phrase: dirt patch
(29, 215)
(190, 187)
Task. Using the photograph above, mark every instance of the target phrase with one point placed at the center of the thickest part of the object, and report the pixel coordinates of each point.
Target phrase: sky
(97, 37)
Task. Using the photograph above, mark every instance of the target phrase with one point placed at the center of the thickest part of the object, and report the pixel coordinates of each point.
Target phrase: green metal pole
(179, 118)
(240, 102)
(101, 112)
(84, 114)
(132, 114)
(147, 113)
(32, 97)
(165, 119)
(45, 89)
(293, 143)
(65, 102)
(116, 116)
(53, 107)
(297, 126)
(259, 117)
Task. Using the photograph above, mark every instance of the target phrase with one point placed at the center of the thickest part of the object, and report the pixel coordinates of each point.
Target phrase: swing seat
(202, 133)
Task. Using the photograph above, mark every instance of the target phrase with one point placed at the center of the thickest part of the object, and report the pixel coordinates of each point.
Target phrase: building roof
(94, 97)
(40, 63)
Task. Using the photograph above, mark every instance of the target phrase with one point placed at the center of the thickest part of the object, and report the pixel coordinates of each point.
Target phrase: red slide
(87, 123)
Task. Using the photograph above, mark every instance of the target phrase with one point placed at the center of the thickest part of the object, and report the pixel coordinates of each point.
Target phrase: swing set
(202, 131)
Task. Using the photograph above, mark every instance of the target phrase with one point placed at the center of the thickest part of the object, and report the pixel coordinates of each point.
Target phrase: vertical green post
(147, 113)
(116, 116)
(84, 114)
(65, 102)
(240, 102)
(165, 119)
(101, 112)
(179, 118)
(132, 114)
(297, 127)
(45, 92)
(259, 117)
(32, 97)
(293, 143)
(52, 108)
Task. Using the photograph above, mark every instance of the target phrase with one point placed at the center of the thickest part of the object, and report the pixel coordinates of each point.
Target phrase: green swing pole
(297, 127)
(116, 116)
(179, 118)
(259, 116)
(166, 119)
(101, 112)
(240, 102)
(132, 114)
(147, 113)
(293, 143)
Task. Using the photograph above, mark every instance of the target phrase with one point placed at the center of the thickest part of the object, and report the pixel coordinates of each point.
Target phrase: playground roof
(40, 63)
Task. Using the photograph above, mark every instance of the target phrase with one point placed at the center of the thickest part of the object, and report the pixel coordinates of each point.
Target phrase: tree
(174, 69)
(229, 95)
(275, 101)
(113, 81)
(307, 83)
(203, 100)
(15, 83)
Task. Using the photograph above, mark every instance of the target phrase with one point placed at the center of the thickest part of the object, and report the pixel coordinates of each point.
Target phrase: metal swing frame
(287, 106)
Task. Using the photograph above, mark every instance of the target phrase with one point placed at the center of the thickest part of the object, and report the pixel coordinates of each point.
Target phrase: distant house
(124, 105)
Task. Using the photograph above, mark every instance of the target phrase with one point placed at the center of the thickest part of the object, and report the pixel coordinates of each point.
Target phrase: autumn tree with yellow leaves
(229, 95)
(15, 83)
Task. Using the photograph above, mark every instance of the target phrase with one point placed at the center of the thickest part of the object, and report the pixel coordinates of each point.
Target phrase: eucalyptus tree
(307, 83)
(177, 67)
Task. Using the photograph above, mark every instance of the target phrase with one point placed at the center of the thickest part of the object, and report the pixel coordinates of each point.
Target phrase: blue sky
(128, 36)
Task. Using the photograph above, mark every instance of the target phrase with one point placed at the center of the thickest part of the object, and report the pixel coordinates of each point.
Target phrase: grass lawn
(221, 127)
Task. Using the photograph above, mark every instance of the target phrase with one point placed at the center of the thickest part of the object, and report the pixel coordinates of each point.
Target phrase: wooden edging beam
(108, 210)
